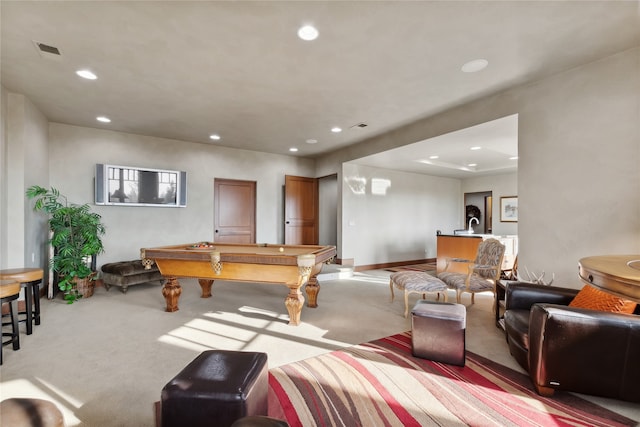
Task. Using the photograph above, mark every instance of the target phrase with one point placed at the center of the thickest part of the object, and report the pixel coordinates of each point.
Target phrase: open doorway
(328, 210)
(478, 205)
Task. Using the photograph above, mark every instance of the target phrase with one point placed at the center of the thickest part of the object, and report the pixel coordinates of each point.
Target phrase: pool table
(290, 265)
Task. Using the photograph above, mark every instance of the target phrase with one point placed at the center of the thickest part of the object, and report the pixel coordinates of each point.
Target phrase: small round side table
(618, 274)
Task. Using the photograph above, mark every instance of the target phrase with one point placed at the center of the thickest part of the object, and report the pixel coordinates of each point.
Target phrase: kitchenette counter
(465, 246)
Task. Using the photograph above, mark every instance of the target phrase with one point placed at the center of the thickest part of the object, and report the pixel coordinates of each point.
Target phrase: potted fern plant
(76, 236)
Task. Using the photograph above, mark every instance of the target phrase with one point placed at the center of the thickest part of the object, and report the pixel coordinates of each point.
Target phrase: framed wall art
(509, 209)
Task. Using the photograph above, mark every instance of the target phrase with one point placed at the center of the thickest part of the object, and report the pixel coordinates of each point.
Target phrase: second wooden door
(300, 210)
(234, 211)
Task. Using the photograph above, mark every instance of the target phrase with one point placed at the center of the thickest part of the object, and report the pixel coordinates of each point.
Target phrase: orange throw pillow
(595, 299)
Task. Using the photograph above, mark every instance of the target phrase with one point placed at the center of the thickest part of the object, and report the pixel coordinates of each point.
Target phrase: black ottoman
(438, 331)
(217, 388)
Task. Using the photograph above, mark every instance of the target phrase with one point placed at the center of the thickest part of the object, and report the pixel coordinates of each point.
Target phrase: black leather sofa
(572, 349)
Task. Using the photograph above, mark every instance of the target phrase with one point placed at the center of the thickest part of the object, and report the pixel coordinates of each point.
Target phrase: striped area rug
(380, 383)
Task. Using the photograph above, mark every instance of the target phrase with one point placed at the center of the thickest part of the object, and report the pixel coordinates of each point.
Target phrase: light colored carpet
(104, 360)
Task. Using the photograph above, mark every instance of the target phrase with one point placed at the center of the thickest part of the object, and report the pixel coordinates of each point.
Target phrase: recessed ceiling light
(308, 32)
(475, 66)
(312, 141)
(86, 74)
(215, 137)
(434, 157)
(513, 158)
(475, 148)
(103, 119)
(472, 165)
(293, 149)
(336, 129)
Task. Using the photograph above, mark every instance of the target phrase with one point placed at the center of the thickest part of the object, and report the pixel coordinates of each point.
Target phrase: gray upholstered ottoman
(416, 282)
(438, 332)
(128, 273)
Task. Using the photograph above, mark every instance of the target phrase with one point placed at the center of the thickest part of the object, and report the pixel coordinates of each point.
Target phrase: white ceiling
(184, 70)
(495, 151)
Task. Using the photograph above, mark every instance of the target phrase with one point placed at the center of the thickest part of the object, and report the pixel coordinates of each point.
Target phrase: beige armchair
(483, 272)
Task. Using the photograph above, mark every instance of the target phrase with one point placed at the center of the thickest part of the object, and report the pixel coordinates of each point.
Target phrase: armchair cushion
(595, 299)
(520, 297)
(459, 281)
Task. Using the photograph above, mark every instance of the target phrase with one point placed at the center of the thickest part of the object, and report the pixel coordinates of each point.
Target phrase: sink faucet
(470, 221)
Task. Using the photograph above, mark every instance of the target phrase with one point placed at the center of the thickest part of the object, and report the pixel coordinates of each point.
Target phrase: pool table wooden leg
(171, 292)
(205, 284)
(312, 289)
(294, 302)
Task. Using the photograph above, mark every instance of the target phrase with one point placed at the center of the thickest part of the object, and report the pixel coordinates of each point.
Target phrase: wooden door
(300, 210)
(234, 206)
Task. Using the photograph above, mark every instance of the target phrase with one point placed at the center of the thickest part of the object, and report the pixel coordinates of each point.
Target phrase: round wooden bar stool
(9, 292)
(29, 279)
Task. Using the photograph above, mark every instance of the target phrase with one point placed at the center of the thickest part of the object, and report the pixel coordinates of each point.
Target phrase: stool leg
(15, 338)
(36, 302)
(406, 304)
(15, 332)
(391, 287)
(28, 292)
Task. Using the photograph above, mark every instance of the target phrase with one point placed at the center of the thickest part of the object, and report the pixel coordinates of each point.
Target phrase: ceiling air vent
(47, 51)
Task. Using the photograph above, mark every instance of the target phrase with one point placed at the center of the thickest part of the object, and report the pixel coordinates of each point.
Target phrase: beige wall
(399, 225)
(74, 152)
(4, 241)
(579, 167)
(25, 163)
(579, 160)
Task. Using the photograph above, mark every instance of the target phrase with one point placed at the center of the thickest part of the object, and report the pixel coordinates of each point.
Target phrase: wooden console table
(617, 274)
